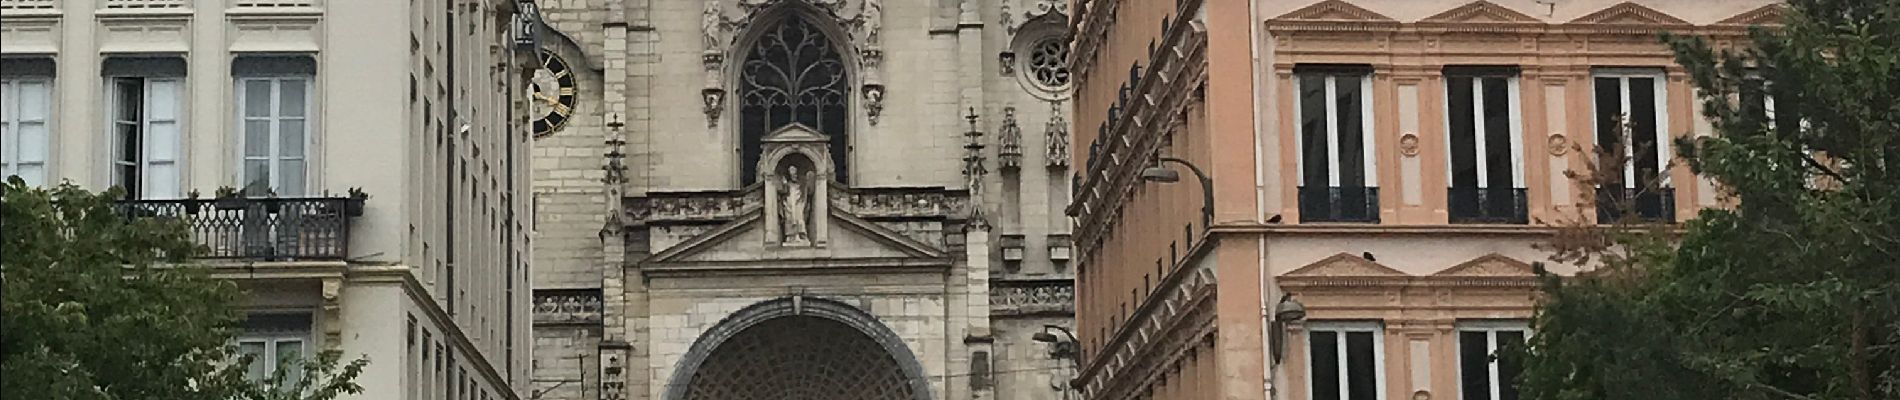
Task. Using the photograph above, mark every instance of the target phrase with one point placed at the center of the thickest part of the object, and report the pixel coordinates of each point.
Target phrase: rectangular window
(275, 342)
(1631, 116)
(275, 128)
(25, 106)
(1338, 181)
(146, 132)
(1482, 375)
(1486, 150)
(1344, 361)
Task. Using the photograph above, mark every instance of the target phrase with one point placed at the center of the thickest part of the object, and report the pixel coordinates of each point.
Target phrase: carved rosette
(1009, 141)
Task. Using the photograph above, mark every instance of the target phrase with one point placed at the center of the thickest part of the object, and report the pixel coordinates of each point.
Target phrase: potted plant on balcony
(354, 207)
(271, 205)
(228, 198)
(191, 202)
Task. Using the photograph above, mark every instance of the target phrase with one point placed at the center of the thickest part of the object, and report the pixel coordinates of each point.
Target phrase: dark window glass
(1352, 167)
(1313, 126)
(1474, 365)
(792, 75)
(1325, 347)
(1609, 102)
(1464, 147)
(1360, 369)
(1497, 133)
(1508, 367)
(1643, 129)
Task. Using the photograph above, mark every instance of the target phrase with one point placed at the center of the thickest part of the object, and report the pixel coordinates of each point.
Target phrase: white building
(306, 99)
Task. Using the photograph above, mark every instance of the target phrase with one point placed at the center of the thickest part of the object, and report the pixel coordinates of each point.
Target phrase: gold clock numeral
(561, 108)
(567, 91)
(560, 74)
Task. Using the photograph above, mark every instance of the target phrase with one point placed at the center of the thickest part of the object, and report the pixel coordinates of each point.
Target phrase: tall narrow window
(1338, 181)
(1487, 154)
(792, 75)
(275, 342)
(273, 100)
(1344, 361)
(1482, 375)
(25, 105)
(145, 107)
(1630, 120)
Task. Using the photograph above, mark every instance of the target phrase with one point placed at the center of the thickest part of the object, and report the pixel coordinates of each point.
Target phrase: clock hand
(545, 97)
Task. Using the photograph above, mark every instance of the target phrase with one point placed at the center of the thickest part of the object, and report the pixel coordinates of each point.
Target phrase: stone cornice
(1178, 295)
(1091, 25)
(1110, 178)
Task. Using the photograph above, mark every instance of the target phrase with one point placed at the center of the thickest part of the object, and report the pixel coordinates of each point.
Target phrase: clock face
(552, 95)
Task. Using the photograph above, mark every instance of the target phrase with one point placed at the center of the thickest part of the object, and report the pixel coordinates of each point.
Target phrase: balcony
(266, 229)
(1649, 205)
(1471, 205)
(1339, 204)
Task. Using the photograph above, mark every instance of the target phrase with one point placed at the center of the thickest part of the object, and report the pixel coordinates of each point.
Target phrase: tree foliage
(101, 306)
(1793, 293)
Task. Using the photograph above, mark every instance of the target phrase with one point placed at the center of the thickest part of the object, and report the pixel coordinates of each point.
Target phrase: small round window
(1048, 64)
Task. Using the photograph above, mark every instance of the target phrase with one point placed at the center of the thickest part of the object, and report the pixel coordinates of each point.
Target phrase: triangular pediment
(1345, 265)
(1489, 265)
(1771, 14)
(796, 132)
(1332, 10)
(741, 244)
(1481, 12)
(1628, 13)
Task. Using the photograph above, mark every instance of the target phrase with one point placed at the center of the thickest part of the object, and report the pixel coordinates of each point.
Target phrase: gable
(1771, 14)
(1628, 13)
(1332, 10)
(1489, 265)
(1344, 265)
(1481, 11)
(741, 244)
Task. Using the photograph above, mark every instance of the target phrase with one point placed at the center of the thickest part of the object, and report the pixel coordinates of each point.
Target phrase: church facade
(739, 199)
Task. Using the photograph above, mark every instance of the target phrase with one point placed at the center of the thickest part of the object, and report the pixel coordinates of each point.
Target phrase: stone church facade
(740, 199)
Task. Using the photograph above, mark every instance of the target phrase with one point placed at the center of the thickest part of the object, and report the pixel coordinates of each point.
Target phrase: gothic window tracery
(1049, 63)
(792, 74)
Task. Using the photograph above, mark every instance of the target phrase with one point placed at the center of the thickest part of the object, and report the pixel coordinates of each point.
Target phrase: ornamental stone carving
(1408, 144)
(1027, 297)
(721, 22)
(567, 307)
(794, 207)
(1010, 141)
(1056, 134)
(1558, 145)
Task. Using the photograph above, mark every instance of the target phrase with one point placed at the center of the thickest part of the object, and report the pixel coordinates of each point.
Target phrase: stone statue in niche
(712, 22)
(794, 208)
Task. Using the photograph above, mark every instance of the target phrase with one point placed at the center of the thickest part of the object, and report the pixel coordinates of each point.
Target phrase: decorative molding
(692, 206)
(1557, 144)
(1332, 15)
(1026, 297)
(1480, 12)
(567, 307)
(1628, 13)
(1408, 144)
(1344, 265)
(882, 203)
(1489, 265)
(720, 25)
(1771, 14)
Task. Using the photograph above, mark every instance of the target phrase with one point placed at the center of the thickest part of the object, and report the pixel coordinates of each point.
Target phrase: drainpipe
(1260, 199)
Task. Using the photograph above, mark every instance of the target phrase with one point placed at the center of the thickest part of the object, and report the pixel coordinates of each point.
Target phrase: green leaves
(97, 305)
(1794, 294)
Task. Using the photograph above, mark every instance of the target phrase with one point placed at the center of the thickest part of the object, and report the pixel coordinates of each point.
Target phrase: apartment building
(353, 164)
(1376, 206)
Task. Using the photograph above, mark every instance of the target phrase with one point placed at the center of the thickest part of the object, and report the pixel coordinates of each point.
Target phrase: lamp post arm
(1207, 190)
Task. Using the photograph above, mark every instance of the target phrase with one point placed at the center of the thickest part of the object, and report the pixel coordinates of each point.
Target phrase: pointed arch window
(792, 74)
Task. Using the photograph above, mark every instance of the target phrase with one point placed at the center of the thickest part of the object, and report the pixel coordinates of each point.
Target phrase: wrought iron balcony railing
(275, 229)
(1339, 204)
(1471, 205)
(1649, 205)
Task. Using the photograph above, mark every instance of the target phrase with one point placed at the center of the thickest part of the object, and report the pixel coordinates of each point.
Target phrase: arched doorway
(799, 349)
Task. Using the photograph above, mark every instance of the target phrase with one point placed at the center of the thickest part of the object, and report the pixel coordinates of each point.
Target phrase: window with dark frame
(1338, 181)
(144, 109)
(26, 107)
(1486, 157)
(275, 342)
(1482, 374)
(273, 98)
(792, 75)
(1344, 361)
(1631, 119)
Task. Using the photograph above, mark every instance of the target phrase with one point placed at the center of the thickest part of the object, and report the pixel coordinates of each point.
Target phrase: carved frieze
(581, 306)
(691, 206)
(900, 202)
(1032, 297)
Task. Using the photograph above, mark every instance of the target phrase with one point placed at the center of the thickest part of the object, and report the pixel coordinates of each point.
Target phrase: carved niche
(722, 21)
(795, 165)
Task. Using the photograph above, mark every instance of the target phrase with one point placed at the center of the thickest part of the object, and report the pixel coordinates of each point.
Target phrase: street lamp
(1066, 348)
(1157, 173)
(1287, 311)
